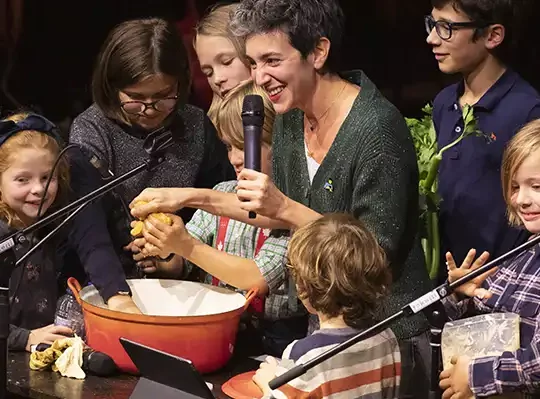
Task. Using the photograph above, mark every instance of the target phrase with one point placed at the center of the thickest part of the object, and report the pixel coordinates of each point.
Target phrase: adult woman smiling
(339, 146)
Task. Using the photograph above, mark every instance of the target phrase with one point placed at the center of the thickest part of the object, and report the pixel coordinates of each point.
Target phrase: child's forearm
(18, 338)
(234, 270)
(513, 372)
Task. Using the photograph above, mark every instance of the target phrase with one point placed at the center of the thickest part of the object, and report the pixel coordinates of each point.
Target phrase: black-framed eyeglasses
(140, 107)
(445, 28)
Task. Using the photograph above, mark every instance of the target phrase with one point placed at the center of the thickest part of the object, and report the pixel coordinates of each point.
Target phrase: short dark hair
(134, 50)
(487, 12)
(340, 268)
(304, 21)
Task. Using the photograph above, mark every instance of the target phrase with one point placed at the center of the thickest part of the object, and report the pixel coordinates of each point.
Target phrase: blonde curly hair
(339, 268)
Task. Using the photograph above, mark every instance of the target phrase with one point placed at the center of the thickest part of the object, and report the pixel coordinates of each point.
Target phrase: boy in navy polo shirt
(472, 37)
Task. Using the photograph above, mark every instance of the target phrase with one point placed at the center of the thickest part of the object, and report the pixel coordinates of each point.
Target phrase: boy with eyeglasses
(472, 38)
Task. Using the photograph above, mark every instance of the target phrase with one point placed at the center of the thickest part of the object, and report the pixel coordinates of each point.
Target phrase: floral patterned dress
(33, 290)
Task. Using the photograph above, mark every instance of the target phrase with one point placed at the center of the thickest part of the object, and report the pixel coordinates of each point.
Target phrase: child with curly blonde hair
(341, 274)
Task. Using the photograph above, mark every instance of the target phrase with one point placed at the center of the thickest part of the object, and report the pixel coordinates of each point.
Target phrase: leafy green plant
(429, 159)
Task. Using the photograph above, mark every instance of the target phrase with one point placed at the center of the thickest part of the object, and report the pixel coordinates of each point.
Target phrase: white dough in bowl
(156, 297)
(183, 298)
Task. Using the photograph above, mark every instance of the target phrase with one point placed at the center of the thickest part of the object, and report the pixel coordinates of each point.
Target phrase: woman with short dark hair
(338, 146)
(140, 84)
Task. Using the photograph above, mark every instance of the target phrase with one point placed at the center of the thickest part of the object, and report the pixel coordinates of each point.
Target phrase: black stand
(420, 304)
(436, 316)
(155, 145)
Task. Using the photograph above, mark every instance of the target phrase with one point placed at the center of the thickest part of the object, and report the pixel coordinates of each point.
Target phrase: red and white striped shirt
(369, 369)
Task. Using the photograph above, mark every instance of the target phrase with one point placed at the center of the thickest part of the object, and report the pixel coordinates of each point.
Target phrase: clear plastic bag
(484, 335)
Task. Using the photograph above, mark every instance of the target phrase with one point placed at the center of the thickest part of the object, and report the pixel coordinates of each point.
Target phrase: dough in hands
(137, 230)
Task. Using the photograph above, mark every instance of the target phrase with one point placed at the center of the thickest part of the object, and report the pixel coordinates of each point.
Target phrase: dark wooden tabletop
(23, 382)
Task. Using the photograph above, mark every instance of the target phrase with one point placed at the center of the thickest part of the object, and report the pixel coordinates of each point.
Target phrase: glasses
(445, 28)
(140, 107)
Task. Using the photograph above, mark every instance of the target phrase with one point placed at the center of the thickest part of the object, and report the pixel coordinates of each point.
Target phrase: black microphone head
(253, 110)
(98, 363)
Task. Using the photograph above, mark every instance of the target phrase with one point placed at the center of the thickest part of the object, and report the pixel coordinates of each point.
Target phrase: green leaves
(470, 125)
(429, 158)
(425, 141)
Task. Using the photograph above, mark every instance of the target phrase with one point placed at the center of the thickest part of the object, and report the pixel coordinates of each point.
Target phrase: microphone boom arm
(19, 237)
(412, 308)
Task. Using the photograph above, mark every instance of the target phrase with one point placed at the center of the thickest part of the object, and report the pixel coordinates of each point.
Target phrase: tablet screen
(167, 369)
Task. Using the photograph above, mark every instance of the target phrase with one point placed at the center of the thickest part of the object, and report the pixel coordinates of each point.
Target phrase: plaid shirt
(241, 240)
(516, 289)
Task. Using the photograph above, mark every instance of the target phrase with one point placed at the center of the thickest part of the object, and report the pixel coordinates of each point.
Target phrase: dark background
(59, 40)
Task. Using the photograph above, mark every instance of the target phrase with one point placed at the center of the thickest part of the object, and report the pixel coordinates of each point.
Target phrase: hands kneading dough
(138, 227)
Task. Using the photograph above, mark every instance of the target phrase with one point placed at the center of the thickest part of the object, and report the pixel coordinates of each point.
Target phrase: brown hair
(35, 140)
(305, 22)
(339, 268)
(133, 51)
(488, 12)
(216, 23)
(523, 144)
(229, 115)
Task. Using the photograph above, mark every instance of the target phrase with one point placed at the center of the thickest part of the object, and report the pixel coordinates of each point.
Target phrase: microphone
(95, 363)
(252, 120)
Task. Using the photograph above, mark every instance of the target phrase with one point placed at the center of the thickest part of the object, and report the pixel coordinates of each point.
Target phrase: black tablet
(166, 373)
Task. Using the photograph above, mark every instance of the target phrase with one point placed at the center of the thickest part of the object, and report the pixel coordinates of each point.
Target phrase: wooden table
(25, 383)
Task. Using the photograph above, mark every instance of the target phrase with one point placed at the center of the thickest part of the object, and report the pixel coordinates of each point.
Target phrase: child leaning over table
(233, 253)
(514, 287)
(341, 274)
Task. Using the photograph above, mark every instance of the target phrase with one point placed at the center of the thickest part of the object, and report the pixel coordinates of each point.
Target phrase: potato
(137, 230)
(162, 217)
(139, 203)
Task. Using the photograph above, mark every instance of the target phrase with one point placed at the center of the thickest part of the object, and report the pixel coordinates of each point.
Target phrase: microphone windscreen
(98, 363)
(253, 110)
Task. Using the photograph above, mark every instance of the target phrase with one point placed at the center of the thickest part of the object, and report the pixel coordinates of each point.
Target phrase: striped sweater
(370, 369)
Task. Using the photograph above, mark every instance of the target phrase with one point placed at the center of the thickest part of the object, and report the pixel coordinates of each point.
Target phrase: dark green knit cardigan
(371, 172)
